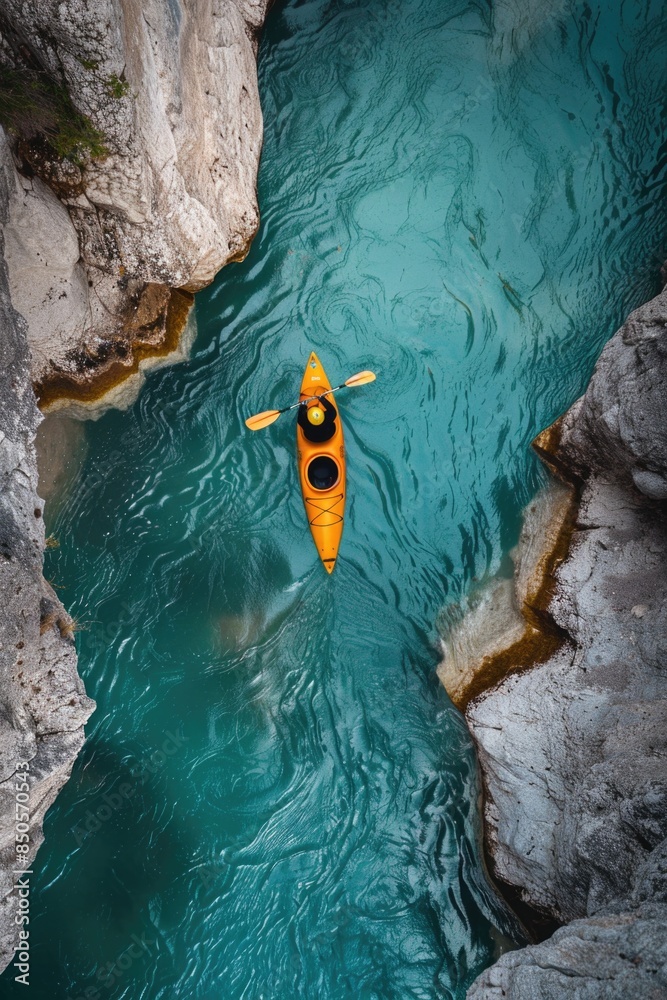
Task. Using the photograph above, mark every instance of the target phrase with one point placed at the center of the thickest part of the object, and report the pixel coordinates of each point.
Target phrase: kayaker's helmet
(315, 415)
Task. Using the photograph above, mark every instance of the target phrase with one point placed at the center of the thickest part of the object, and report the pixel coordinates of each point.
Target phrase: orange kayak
(322, 472)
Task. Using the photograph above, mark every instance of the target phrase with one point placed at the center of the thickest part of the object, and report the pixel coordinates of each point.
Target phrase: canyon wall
(569, 716)
(137, 138)
(44, 706)
(129, 183)
(128, 165)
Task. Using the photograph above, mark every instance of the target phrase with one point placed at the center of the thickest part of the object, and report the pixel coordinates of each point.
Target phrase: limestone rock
(172, 90)
(44, 706)
(573, 750)
(47, 280)
(622, 956)
(505, 624)
(619, 427)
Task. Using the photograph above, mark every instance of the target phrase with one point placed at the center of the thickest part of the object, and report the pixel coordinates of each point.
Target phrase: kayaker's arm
(302, 419)
(329, 408)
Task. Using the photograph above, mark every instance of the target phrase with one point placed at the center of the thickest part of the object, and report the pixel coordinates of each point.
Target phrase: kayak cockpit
(323, 472)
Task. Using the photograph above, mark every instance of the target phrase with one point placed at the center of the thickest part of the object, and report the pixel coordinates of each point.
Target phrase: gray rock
(618, 429)
(172, 89)
(651, 484)
(650, 878)
(48, 283)
(43, 706)
(623, 956)
(573, 751)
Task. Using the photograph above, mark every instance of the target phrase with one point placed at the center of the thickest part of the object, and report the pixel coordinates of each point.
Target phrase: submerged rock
(573, 747)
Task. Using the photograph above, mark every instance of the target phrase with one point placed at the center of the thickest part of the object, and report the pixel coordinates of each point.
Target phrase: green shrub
(116, 87)
(32, 104)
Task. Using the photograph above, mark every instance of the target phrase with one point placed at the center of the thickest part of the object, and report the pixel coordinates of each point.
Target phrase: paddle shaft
(261, 420)
(309, 399)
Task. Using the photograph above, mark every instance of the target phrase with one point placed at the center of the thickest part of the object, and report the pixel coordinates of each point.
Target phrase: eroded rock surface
(620, 956)
(47, 279)
(573, 750)
(171, 89)
(618, 429)
(102, 246)
(43, 703)
(507, 622)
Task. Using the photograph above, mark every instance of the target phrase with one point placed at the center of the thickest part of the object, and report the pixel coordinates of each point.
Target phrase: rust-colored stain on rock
(540, 636)
(153, 330)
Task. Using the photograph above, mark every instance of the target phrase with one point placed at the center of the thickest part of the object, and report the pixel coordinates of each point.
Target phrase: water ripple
(275, 791)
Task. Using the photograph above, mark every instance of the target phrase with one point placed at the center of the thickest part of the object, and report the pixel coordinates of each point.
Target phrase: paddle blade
(361, 378)
(262, 419)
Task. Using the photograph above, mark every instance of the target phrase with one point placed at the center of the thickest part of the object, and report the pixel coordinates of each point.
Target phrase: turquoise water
(276, 796)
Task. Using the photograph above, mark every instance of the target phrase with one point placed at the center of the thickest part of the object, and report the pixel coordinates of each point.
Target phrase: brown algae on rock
(161, 333)
(506, 626)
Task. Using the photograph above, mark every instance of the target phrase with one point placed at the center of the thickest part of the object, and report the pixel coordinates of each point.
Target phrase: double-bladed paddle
(261, 420)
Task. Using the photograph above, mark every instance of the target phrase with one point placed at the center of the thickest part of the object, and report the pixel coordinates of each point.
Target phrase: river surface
(276, 799)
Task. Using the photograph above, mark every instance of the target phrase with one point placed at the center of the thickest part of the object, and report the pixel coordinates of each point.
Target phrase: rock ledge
(573, 746)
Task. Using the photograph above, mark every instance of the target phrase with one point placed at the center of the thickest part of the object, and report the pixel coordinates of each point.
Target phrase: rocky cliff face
(156, 109)
(127, 179)
(612, 957)
(44, 706)
(573, 743)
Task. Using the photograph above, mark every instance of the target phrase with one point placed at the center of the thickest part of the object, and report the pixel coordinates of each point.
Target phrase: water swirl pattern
(276, 800)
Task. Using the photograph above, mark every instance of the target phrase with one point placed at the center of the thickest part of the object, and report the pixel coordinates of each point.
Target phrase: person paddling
(317, 419)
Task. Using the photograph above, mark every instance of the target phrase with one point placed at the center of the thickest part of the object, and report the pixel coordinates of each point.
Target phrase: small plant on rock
(32, 105)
